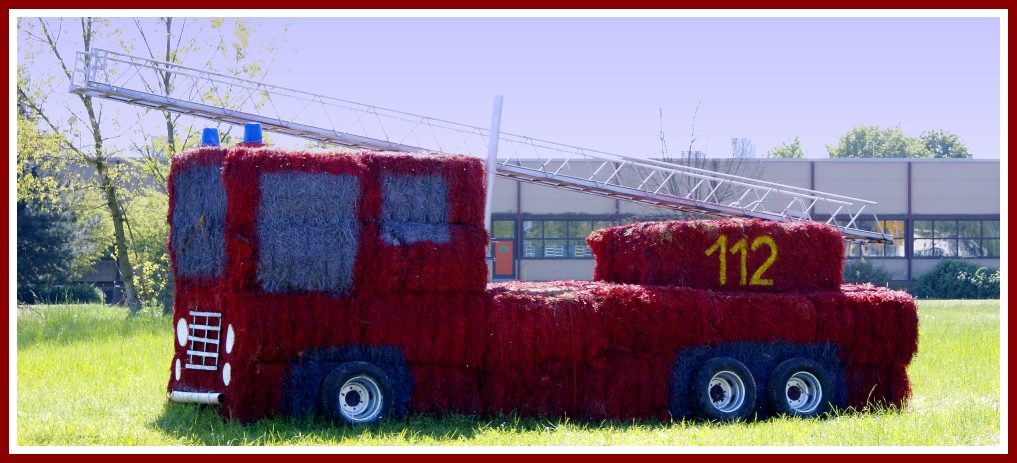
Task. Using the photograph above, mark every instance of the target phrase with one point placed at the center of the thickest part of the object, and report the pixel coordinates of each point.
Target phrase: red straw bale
(441, 389)
(762, 317)
(445, 329)
(255, 391)
(876, 333)
(809, 255)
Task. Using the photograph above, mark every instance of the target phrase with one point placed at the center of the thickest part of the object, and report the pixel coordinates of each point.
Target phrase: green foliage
(954, 279)
(862, 271)
(79, 293)
(45, 245)
(943, 144)
(51, 188)
(150, 232)
(71, 391)
(872, 142)
(38, 156)
(786, 151)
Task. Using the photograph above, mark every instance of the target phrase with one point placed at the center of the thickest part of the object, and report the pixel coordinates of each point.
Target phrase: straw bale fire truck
(353, 285)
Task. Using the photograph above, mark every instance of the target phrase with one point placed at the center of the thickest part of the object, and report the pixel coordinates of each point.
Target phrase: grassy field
(90, 375)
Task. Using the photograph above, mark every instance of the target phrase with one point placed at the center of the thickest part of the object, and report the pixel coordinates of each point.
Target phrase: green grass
(91, 375)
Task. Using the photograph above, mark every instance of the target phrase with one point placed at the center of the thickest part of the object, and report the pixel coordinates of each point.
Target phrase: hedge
(954, 279)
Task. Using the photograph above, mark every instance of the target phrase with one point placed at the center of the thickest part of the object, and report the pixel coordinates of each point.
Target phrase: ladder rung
(205, 327)
(206, 314)
(204, 340)
(193, 366)
(198, 353)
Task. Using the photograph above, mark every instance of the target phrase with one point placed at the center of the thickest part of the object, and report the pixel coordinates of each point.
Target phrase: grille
(205, 328)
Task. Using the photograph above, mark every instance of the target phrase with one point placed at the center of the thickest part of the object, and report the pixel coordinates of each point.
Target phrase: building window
(956, 238)
(503, 229)
(895, 228)
(559, 239)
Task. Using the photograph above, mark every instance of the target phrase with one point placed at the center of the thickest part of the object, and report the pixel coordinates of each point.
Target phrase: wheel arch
(309, 369)
(760, 358)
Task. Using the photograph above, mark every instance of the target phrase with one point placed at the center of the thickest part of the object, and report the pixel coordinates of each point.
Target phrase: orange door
(504, 265)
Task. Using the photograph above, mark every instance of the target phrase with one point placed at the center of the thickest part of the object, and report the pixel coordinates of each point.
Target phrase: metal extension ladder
(227, 99)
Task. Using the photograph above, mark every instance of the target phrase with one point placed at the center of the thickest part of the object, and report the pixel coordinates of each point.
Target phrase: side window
(414, 209)
(307, 232)
(199, 210)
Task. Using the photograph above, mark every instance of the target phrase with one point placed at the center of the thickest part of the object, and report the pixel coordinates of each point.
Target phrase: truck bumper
(208, 398)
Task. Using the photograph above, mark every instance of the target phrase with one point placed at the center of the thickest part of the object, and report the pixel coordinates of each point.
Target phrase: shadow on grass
(191, 424)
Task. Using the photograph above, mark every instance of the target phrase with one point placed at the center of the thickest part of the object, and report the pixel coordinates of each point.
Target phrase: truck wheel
(800, 387)
(357, 393)
(723, 390)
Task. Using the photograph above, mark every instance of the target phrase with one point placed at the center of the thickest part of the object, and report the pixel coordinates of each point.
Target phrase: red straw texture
(708, 254)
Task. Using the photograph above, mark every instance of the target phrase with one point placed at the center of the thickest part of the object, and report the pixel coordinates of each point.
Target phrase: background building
(935, 208)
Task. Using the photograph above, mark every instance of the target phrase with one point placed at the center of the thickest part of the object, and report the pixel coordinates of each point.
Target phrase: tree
(91, 134)
(943, 144)
(872, 142)
(229, 51)
(149, 234)
(786, 151)
(93, 152)
(743, 166)
(45, 246)
(173, 40)
(743, 148)
(51, 190)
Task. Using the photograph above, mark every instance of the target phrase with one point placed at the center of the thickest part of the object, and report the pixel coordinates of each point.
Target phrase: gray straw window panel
(198, 219)
(414, 209)
(307, 232)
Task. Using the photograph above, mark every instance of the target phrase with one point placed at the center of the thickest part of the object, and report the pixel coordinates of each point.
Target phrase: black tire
(357, 393)
(800, 387)
(723, 390)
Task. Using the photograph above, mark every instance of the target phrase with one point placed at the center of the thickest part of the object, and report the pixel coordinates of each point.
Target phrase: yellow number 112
(741, 247)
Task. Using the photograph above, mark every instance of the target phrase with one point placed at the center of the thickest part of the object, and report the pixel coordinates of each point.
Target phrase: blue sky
(601, 82)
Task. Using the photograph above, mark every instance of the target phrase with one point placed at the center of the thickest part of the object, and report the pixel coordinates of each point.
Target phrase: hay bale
(443, 329)
(280, 197)
(531, 323)
(440, 390)
(414, 208)
(199, 296)
(691, 253)
(307, 232)
(653, 320)
(255, 391)
(876, 331)
(448, 187)
(344, 223)
(278, 327)
(541, 337)
(456, 265)
(197, 209)
(763, 317)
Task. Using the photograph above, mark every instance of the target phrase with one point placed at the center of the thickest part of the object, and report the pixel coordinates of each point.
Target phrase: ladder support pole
(492, 161)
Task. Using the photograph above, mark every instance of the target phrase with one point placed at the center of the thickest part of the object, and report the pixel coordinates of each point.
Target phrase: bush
(952, 279)
(862, 271)
(80, 293)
